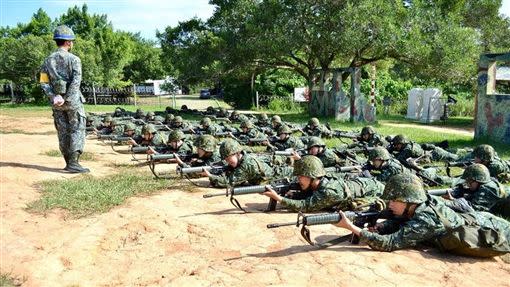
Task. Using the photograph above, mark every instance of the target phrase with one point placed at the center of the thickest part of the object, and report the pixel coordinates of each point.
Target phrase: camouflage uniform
(373, 140)
(156, 140)
(488, 193)
(250, 170)
(61, 75)
(335, 192)
(291, 142)
(410, 150)
(427, 223)
(327, 156)
(315, 129)
(186, 146)
(212, 156)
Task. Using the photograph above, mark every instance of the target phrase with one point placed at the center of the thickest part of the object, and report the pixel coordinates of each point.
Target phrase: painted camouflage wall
(329, 99)
(492, 118)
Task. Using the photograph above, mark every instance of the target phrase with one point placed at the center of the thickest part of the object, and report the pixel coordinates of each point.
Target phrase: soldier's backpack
(471, 239)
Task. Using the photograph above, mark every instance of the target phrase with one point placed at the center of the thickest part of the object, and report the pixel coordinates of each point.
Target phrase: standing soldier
(60, 80)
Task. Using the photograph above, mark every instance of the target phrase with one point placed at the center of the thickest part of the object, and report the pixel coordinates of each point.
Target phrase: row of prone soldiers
(391, 177)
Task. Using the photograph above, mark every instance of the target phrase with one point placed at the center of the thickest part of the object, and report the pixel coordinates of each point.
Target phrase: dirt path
(176, 238)
(442, 130)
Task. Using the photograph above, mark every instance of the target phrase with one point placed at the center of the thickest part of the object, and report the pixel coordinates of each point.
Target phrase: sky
(144, 16)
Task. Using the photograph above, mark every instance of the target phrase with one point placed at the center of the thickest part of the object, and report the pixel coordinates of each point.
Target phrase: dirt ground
(177, 238)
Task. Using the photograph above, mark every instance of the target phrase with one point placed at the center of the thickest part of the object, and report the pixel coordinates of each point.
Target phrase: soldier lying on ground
(326, 191)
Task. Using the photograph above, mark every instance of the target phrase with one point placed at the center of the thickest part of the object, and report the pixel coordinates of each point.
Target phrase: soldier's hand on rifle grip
(132, 142)
(206, 173)
(151, 151)
(448, 196)
(295, 155)
(178, 159)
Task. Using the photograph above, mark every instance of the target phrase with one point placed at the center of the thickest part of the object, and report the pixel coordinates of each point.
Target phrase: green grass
(56, 153)
(7, 280)
(85, 195)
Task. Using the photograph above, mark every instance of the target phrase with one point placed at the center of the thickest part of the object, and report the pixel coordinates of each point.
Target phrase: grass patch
(18, 131)
(7, 280)
(56, 153)
(85, 195)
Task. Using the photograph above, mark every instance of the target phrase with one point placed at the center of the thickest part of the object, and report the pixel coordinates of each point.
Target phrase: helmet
(263, 117)
(379, 153)
(316, 141)
(484, 152)
(139, 111)
(63, 32)
(205, 121)
(169, 117)
(148, 129)
(477, 172)
(118, 110)
(229, 147)
(284, 130)
(150, 114)
(368, 130)
(177, 120)
(314, 122)
(246, 124)
(235, 113)
(404, 187)
(223, 110)
(129, 127)
(276, 119)
(207, 143)
(176, 135)
(108, 119)
(400, 139)
(210, 109)
(310, 166)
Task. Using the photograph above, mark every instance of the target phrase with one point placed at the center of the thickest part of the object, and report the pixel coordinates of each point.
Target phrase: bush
(284, 105)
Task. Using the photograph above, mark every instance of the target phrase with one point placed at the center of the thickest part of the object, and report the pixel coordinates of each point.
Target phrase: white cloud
(145, 16)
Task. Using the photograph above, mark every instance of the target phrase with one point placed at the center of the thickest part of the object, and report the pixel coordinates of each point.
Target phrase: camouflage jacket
(291, 142)
(498, 168)
(250, 170)
(412, 150)
(328, 157)
(332, 192)
(425, 226)
(374, 141)
(251, 134)
(391, 168)
(213, 129)
(157, 140)
(186, 147)
(485, 197)
(213, 158)
(62, 71)
(320, 131)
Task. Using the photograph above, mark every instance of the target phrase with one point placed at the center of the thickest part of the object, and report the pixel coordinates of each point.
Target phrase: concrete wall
(492, 118)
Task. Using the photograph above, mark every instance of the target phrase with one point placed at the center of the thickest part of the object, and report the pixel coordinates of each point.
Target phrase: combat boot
(66, 158)
(74, 165)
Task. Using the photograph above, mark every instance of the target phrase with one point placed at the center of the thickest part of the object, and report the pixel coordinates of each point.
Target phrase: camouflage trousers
(70, 125)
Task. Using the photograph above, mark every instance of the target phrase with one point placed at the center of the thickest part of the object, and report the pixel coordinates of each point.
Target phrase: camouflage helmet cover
(177, 120)
(314, 122)
(63, 32)
(229, 147)
(148, 129)
(477, 172)
(108, 119)
(484, 152)
(316, 141)
(406, 188)
(284, 130)
(379, 153)
(246, 124)
(150, 114)
(206, 121)
(276, 119)
(368, 130)
(207, 143)
(129, 127)
(310, 166)
(400, 139)
(263, 117)
(176, 135)
(169, 117)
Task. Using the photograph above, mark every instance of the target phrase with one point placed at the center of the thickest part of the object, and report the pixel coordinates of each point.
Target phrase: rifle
(116, 138)
(192, 130)
(214, 169)
(359, 219)
(281, 186)
(334, 169)
(344, 134)
(162, 158)
(289, 152)
(439, 192)
(462, 164)
(226, 134)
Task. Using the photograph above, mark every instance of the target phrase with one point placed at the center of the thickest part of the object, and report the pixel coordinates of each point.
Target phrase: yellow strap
(43, 78)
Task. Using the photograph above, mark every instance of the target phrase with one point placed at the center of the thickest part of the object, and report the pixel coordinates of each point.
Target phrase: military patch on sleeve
(43, 78)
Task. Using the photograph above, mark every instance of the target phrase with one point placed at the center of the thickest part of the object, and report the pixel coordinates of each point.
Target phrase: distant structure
(492, 119)
(329, 99)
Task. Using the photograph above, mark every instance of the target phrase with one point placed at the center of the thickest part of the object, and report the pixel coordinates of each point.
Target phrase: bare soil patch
(177, 238)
